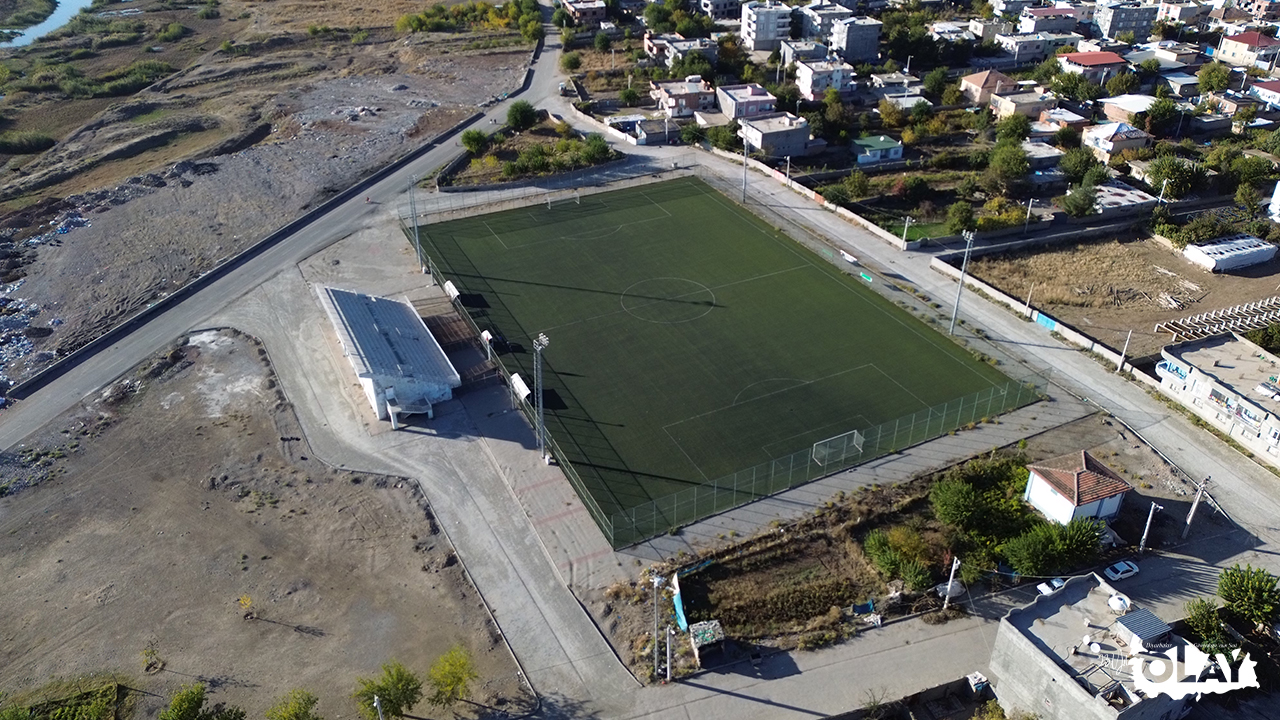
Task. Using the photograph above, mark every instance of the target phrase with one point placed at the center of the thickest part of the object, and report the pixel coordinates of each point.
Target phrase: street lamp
(539, 344)
(964, 268)
(1163, 185)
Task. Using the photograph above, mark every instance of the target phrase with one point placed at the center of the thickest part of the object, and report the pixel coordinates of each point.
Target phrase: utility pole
(1125, 351)
(670, 634)
(1142, 546)
(955, 565)
(657, 582)
(539, 344)
(1163, 185)
(1027, 309)
(964, 269)
(1027, 224)
(744, 168)
(905, 225)
(1195, 504)
(788, 169)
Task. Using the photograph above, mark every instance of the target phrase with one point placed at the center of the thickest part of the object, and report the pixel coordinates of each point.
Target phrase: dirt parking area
(1106, 289)
(162, 508)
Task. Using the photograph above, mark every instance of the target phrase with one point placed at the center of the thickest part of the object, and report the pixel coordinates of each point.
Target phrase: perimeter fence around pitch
(827, 457)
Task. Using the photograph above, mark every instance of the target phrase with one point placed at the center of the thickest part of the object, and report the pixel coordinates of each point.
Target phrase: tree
(1007, 168)
(1245, 115)
(1015, 127)
(1067, 138)
(297, 705)
(1047, 70)
(398, 690)
(952, 95)
(1214, 77)
(935, 82)
(691, 134)
(450, 677)
(521, 115)
(570, 62)
(1076, 162)
(1080, 201)
(1096, 175)
(857, 184)
(188, 704)
(1127, 37)
(1077, 87)
(1149, 67)
(1123, 83)
(561, 18)
(475, 141)
(602, 42)
(1160, 116)
(1250, 593)
(629, 96)
(1202, 618)
(912, 189)
(1173, 176)
(890, 114)
(955, 501)
(1248, 197)
(921, 111)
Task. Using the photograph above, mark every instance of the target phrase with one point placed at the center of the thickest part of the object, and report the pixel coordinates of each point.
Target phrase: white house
(1073, 486)
(815, 77)
(1268, 92)
(876, 149)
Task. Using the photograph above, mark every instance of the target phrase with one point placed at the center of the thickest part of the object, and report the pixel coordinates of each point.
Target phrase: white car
(1050, 587)
(1121, 570)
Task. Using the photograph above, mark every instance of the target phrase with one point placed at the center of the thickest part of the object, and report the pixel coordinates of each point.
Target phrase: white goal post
(574, 198)
(837, 449)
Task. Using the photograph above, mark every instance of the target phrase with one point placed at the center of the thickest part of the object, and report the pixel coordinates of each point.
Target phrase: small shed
(1230, 253)
(1076, 485)
(1141, 630)
(707, 639)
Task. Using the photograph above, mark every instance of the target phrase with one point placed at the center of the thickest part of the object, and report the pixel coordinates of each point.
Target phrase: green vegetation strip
(689, 341)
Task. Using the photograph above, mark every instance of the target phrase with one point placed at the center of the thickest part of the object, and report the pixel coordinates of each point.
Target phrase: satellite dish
(1119, 603)
(1096, 648)
(1088, 640)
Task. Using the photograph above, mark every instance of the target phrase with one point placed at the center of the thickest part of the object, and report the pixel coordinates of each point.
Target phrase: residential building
(797, 50)
(656, 132)
(1268, 92)
(1035, 47)
(894, 80)
(672, 48)
(876, 149)
(987, 30)
(1251, 49)
(1114, 198)
(1228, 18)
(1182, 84)
(1230, 102)
(1110, 139)
(1041, 155)
(1030, 103)
(1084, 10)
(1127, 16)
(1055, 119)
(1101, 44)
(1187, 13)
(765, 24)
(738, 101)
(1228, 382)
(682, 98)
(1011, 8)
(908, 100)
(818, 16)
(587, 13)
(856, 39)
(777, 135)
(1047, 19)
(1260, 9)
(1120, 107)
(979, 87)
(1074, 486)
(721, 9)
(1095, 66)
(813, 77)
(950, 31)
(1230, 253)
(1069, 655)
(1171, 56)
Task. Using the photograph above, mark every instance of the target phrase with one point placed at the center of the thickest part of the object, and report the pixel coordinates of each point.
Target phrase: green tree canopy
(1076, 162)
(1250, 593)
(1123, 83)
(450, 677)
(1214, 77)
(1014, 127)
(935, 81)
(1080, 201)
(188, 704)
(1007, 168)
(602, 42)
(521, 115)
(475, 141)
(297, 705)
(397, 689)
(1173, 177)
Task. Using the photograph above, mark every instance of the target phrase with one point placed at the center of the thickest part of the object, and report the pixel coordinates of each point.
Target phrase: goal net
(563, 199)
(840, 448)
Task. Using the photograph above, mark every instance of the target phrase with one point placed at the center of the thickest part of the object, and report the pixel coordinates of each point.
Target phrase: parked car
(1121, 570)
(1050, 587)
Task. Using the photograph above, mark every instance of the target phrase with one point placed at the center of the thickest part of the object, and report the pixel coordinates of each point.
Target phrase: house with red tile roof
(1076, 485)
(1095, 66)
(1268, 92)
(1248, 48)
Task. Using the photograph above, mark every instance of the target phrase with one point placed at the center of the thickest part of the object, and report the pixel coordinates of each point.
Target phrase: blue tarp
(678, 603)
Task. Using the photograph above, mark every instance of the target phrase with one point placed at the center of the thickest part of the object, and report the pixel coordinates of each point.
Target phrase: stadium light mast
(964, 269)
(539, 344)
(413, 210)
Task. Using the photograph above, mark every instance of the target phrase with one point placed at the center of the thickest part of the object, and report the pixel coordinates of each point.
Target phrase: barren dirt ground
(1106, 289)
(170, 498)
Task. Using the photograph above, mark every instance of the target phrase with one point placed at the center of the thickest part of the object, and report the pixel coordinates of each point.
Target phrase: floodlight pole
(1027, 309)
(1195, 504)
(1142, 546)
(964, 269)
(1124, 352)
(955, 565)
(657, 582)
(539, 344)
(744, 168)
(906, 225)
(670, 634)
(413, 210)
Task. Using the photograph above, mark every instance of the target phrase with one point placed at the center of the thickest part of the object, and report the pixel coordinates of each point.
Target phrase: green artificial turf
(689, 340)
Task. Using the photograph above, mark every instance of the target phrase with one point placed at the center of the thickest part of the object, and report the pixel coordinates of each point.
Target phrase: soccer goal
(840, 448)
(553, 201)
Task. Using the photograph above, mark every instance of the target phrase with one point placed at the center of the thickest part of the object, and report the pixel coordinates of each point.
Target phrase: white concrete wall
(1048, 501)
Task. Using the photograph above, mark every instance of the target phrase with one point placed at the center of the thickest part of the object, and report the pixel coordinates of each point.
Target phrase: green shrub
(25, 142)
(208, 12)
(174, 31)
(915, 575)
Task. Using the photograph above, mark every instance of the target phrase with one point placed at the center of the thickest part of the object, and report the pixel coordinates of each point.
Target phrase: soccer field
(689, 341)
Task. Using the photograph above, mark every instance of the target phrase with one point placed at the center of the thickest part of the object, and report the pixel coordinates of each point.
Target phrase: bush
(956, 502)
(911, 189)
(1202, 618)
(450, 677)
(521, 115)
(876, 546)
(24, 142)
(208, 12)
(475, 141)
(297, 705)
(629, 96)
(398, 690)
(188, 704)
(915, 576)
(173, 32)
(602, 42)
(571, 61)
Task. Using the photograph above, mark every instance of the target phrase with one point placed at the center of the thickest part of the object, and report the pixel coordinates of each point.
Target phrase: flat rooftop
(1239, 365)
(1116, 194)
(773, 122)
(1058, 625)
(1040, 151)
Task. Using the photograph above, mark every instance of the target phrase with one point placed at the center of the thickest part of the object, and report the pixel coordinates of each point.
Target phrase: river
(61, 15)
